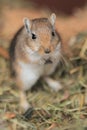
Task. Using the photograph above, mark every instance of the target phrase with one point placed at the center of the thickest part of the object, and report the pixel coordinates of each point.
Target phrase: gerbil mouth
(48, 61)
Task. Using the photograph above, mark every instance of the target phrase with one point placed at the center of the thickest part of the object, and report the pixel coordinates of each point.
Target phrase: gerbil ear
(53, 19)
(27, 24)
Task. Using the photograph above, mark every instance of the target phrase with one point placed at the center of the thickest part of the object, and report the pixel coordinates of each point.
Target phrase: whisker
(61, 59)
(64, 60)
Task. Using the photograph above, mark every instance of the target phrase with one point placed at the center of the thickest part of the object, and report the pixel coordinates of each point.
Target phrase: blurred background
(66, 7)
(71, 15)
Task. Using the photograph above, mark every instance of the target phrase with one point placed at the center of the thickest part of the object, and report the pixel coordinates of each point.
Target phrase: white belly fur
(32, 72)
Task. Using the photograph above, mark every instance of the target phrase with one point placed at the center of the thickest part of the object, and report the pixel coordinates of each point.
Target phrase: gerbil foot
(28, 114)
(55, 85)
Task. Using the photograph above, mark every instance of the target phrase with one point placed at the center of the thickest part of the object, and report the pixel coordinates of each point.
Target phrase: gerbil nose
(47, 51)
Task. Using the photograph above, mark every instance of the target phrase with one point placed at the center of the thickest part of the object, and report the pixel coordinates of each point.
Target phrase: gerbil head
(28, 23)
(42, 36)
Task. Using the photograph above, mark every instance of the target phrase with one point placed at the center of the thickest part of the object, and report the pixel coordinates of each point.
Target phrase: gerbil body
(35, 52)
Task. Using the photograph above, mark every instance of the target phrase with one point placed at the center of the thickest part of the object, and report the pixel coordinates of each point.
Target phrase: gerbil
(35, 52)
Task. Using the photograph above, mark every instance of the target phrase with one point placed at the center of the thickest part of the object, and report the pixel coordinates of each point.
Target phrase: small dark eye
(53, 34)
(33, 36)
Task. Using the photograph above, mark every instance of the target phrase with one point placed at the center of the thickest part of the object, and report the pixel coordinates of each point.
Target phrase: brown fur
(34, 45)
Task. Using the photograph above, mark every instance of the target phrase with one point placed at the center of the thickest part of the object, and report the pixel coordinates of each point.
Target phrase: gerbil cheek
(57, 46)
(41, 51)
(52, 48)
(33, 47)
(37, 47)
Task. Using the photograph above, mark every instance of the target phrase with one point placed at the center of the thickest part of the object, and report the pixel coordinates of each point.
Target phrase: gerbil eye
(33, 36)
(53, 34)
